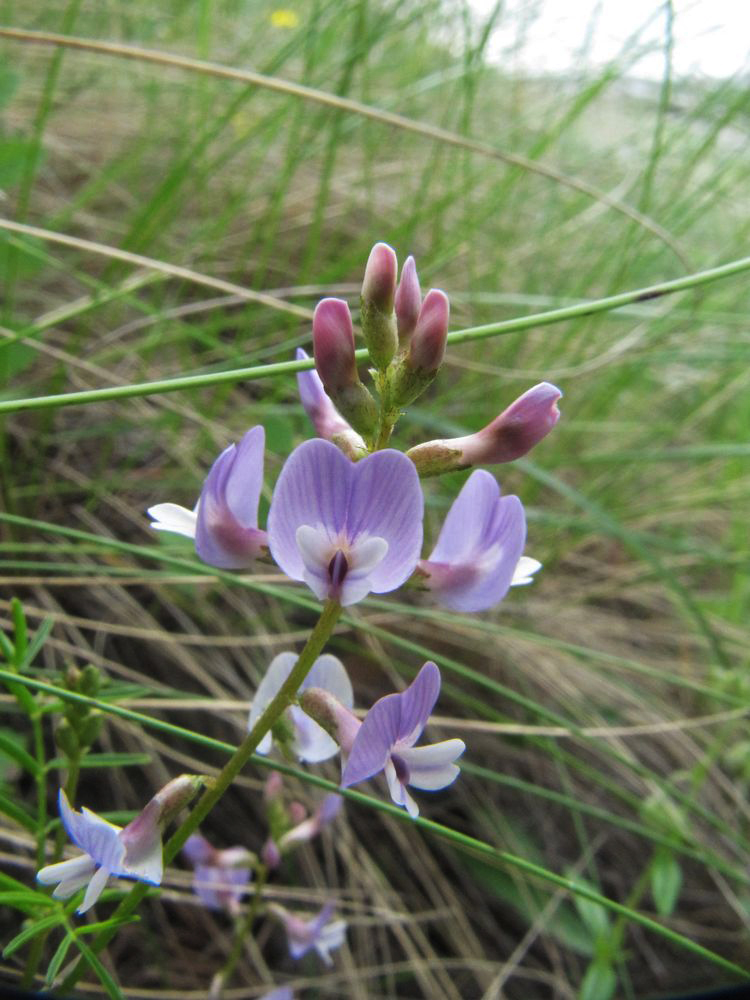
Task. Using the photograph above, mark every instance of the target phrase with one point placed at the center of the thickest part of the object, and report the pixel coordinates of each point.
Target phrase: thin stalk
(314, 646)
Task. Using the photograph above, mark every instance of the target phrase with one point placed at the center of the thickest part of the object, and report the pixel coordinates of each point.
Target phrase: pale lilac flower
(320, 933)
(346, 529)
(133, 852)
(310, 742)
(224, 523)
(220, 876)
(326, 419)
(386, 738)
(280, 993)
(509, 436)
(479, 547)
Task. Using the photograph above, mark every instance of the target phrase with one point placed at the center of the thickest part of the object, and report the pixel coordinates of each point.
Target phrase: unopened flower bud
(270, 854)
(333, 344)
(510, 436)
(416, 370)
(427, 345)
(273, 787)
(378, 296)
(165, 805)
(337, 720)
(408, 301)
(296, 813)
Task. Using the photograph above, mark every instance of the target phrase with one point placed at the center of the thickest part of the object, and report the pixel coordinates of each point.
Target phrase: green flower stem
(242, 929)
(313, 648)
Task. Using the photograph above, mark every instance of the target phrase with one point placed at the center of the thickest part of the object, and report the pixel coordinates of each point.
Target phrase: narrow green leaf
(10, 746)
(599, 982)
(594, 916)
(32, 931)
(27, 900)
(15, 812)
(21, 630)
(38, 640)
(113, 990)
(57, 959)
(666, 880)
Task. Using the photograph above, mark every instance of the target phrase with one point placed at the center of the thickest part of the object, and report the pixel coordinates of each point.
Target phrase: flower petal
(94, 835)
(172, 517)
(75, 868)
(399, 792)
(278, 671)
(468, 524)
(329, 673)
(312, 489)
(431, 767)
(386, 501)
(524, 571)
(94, 891)
(70, 886)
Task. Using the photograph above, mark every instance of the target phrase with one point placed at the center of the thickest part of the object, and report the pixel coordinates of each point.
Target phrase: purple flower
(320, 933)
(326, 419)
(346, 529)
(386, 738)
(325, 814)
(133, 852)
(479, 547)
(224, 523)
(311, 743)
(220, 876)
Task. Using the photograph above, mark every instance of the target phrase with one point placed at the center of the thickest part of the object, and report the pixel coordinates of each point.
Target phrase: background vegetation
(604, 708)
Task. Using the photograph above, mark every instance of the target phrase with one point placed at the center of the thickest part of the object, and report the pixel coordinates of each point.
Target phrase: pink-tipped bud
(339, 722)
(510, 436)
(296, 812)
(333, 345)
(378, 295)
(379, 283)
(427, 345)
(408, 301)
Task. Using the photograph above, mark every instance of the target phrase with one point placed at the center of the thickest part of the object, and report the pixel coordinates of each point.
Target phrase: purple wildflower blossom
(346, 529)
(220, 876)
(320, 933)
(311, 743)
(131, 852)
(479, 547)
(386, 738)
(224, 523)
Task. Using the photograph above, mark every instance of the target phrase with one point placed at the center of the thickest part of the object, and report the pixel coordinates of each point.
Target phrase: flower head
(310, 742)
(326, 419)
(220, 876)
(346, 529)
(479, 547)
(224, 523)
(131, 852)
(320, 933)
(386, 738)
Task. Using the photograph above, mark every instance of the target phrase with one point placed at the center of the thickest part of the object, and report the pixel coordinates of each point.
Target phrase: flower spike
(386, 738)
(346, 529)
(479, 547)
(224, 523)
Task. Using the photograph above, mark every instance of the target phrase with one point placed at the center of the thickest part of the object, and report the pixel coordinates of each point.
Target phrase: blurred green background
(605, 707)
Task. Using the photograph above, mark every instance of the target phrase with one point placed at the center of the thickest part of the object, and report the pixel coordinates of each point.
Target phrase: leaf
(666, 880)
(39, 639)
(113, 990)
(10, 746)
(594, 916)
(58, 958)
(599, 982)
(32, 931)
(17, 813)
(28, 900)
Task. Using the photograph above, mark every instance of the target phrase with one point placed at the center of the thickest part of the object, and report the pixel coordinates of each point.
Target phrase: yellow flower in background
(284, 18)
